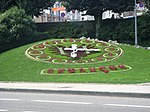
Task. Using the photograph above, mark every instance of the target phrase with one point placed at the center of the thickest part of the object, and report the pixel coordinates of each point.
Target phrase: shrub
(66, 30)
(15, 24)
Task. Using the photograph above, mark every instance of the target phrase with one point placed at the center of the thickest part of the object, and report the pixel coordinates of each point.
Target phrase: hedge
(121, 30)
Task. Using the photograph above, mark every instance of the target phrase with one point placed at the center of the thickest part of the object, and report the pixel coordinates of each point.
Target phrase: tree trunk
(98, 18)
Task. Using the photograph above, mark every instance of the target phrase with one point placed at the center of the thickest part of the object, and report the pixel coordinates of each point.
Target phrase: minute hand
(84, 49)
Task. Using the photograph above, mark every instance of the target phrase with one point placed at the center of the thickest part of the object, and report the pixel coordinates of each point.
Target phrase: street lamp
(135, 15)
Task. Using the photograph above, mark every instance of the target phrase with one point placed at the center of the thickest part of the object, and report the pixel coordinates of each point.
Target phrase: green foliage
(97, 7)
(67, 30)
(15, 25)
(31, 7)
(147, 3)
(121, 30)
(144, 30)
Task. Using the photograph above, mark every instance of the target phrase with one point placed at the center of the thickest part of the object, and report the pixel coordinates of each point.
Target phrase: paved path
(137, 90)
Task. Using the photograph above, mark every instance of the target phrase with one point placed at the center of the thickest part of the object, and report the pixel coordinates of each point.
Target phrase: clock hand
(85, 49)
(75, 50)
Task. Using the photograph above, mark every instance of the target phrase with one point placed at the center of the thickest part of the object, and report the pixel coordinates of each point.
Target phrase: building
(58, 13)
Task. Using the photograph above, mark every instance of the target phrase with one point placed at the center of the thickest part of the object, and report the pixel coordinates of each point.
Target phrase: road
(44, 102)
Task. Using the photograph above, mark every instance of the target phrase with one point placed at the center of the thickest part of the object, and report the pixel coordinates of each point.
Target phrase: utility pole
(135, 15)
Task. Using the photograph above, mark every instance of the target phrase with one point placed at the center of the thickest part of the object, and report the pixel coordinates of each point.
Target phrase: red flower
(82, 70)
(35, 52)
(98, 58)
(46, 42)
(112, 49)
(92, 69)
(41, 46)
(71, 40)
(103, 44)
(105, 71)
(87, 41)
(50, 71)
(112, 68)
(61, 71)
(101, 67)
(71, 70)
(65, 40)
(34, 47)
(122, 66)
(43, 56)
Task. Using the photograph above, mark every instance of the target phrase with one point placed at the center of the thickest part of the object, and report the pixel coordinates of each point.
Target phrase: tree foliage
(31, 7)
(147, 4)
(97, 7)
(15, 24)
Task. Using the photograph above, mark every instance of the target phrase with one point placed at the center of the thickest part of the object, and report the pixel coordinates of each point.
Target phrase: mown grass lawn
(16, 66)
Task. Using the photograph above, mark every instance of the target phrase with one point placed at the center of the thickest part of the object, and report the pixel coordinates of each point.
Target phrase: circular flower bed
(86, 51)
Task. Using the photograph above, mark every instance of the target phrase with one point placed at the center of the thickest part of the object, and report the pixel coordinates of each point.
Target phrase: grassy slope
(15, 66)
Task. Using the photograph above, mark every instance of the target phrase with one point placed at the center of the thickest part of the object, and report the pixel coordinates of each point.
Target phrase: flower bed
(76, 71)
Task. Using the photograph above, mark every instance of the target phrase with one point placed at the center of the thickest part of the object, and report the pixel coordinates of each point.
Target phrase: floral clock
(77, 51)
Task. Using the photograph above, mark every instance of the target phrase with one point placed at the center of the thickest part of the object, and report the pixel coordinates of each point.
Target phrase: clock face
(75, 51)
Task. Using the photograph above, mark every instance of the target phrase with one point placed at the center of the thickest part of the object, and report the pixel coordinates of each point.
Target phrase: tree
(147, 3)
(31, 7)
(15, 24)
(97, 7)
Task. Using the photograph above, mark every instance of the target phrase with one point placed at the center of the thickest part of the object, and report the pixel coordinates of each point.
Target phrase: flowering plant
(92, 69)
(60, 70)
(104, 69)
(50, 71)
(71, 70)
(82, 70)
(112, 68)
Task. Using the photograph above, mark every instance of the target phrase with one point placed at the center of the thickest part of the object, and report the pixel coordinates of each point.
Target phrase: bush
(15, 24)
(67, 30)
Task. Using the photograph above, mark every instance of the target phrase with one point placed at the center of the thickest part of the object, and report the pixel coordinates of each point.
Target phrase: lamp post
(135, 15)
